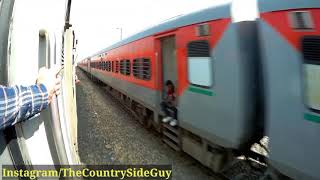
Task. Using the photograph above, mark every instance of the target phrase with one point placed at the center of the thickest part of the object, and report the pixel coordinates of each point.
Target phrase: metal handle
(44, 61)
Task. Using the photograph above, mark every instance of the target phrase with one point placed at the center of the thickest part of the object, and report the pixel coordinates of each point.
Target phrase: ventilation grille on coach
(311, 49)
(198, 49)
(301, 20)
(203, 30)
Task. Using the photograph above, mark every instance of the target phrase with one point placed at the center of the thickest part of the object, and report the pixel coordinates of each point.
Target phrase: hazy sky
(96, 21)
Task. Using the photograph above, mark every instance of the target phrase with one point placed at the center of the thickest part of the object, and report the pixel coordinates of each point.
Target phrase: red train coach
(139, 66)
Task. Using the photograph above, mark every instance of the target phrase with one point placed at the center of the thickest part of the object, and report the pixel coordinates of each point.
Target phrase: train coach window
(122, 66)
(146, 69)
(128, 67)
(136, 67)
(107, 66)
(104, 63)
(125, 67)
(112, 66)
(141, 69)
(311, 54)
(199, 64)
(117, 67)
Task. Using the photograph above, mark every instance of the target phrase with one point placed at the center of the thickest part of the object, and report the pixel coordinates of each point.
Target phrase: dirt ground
(108, 134)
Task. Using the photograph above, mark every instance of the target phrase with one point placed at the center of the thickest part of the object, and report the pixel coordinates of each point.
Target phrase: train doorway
(169, 62)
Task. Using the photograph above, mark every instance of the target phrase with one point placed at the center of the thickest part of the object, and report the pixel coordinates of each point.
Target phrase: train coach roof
(276, 5)
(215, 12)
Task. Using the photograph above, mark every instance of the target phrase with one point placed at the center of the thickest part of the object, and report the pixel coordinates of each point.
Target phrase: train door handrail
(44, 60)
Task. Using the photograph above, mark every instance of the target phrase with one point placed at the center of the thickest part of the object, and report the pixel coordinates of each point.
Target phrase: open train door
(167, 70)
(169, 62)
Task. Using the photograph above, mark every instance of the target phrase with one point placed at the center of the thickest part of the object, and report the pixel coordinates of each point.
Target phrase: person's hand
(50, 79)
(76, 79)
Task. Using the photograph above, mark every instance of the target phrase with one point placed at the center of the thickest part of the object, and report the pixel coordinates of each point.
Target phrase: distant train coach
(237, 80)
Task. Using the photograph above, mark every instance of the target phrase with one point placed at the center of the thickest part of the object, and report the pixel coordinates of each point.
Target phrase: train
(35, 34)
(238, 80)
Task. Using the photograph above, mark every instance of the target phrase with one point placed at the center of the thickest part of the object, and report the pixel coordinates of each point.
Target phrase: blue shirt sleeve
(19, 103)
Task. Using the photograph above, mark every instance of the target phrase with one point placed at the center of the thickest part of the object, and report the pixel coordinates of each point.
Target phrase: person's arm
(165, 98)
(19, 103)
(172, 100)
